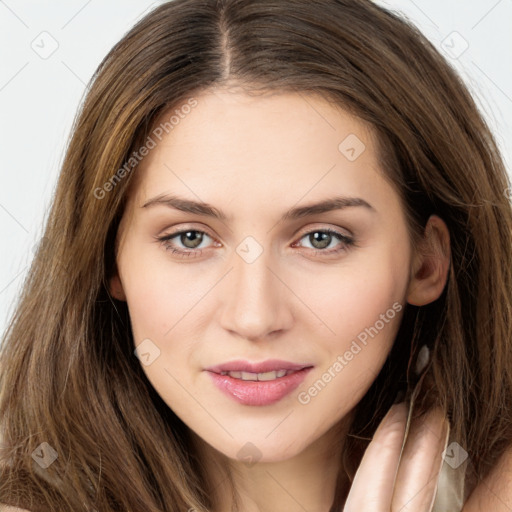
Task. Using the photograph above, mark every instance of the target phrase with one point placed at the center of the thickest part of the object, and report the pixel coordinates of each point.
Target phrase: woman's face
(256, 277)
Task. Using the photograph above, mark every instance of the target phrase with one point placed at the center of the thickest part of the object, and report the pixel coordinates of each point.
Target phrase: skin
(255, 157)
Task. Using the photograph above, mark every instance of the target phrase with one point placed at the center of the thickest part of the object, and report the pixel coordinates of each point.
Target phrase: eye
(190, 241)
(320, 239)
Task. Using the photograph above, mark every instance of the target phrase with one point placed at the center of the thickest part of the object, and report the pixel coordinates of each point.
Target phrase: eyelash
(165, 241)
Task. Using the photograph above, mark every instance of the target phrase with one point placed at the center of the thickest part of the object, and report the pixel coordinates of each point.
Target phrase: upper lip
(269, 365)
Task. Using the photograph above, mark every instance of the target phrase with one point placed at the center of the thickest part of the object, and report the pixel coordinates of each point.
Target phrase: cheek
(354, 297)
(160, 293)
(162, 301)
(364, 307)
(366, 320)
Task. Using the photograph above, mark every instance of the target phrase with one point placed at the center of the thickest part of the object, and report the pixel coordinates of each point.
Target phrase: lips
(260, 384)
(270, 365)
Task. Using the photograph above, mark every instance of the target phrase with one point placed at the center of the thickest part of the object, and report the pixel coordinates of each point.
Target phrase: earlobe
(431, 265)
(116, 287)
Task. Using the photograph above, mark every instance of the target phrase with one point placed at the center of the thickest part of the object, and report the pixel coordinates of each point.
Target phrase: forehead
(267, 148)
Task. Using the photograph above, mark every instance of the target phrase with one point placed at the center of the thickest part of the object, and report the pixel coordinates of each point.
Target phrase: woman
(273, 221)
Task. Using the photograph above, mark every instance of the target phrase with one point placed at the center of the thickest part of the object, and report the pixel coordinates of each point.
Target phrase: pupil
(323, 242)
(195, 240)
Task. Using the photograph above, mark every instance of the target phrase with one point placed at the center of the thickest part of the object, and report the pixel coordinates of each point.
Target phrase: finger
(421, 462)
(372, 488)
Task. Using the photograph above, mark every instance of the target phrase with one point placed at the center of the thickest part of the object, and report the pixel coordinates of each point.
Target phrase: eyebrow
(200, 208)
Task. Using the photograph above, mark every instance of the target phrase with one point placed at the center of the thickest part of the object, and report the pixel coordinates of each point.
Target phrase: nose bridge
(254, 304)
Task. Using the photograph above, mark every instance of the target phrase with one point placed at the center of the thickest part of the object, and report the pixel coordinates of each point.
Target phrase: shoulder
(495, 491)
(9, 508)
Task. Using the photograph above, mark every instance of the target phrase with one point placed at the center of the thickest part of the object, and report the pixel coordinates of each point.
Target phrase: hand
(375, 488)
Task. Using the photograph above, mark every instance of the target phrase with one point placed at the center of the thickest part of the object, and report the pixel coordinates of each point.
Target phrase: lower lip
(250, 392)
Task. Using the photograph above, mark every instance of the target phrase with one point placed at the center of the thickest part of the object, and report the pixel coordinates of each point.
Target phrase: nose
(256, 303)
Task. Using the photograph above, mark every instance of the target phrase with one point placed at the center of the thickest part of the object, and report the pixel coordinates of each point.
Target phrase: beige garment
(452, 491)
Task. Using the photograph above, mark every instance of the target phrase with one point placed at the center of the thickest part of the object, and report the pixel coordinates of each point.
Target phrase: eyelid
(183, 227)
(323, 227)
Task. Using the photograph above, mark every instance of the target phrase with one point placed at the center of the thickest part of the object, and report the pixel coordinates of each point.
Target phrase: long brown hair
(69, 377)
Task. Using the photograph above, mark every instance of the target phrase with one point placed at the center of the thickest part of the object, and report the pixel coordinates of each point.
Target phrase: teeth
(272, 375)
(257, 376)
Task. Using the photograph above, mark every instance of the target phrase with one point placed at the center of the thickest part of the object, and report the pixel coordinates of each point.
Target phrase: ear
(431, 264)
(116, 287)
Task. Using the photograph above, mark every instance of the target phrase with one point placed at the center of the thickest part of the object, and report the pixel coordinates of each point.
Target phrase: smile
(258, 384)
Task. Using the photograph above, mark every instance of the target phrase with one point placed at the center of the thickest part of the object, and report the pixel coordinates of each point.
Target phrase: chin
(254, 449)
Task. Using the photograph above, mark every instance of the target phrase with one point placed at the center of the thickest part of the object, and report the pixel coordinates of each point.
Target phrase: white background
(39, 96)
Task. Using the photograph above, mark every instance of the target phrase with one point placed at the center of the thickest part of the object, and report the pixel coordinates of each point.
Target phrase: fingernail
(399, 396)
(398, 410)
